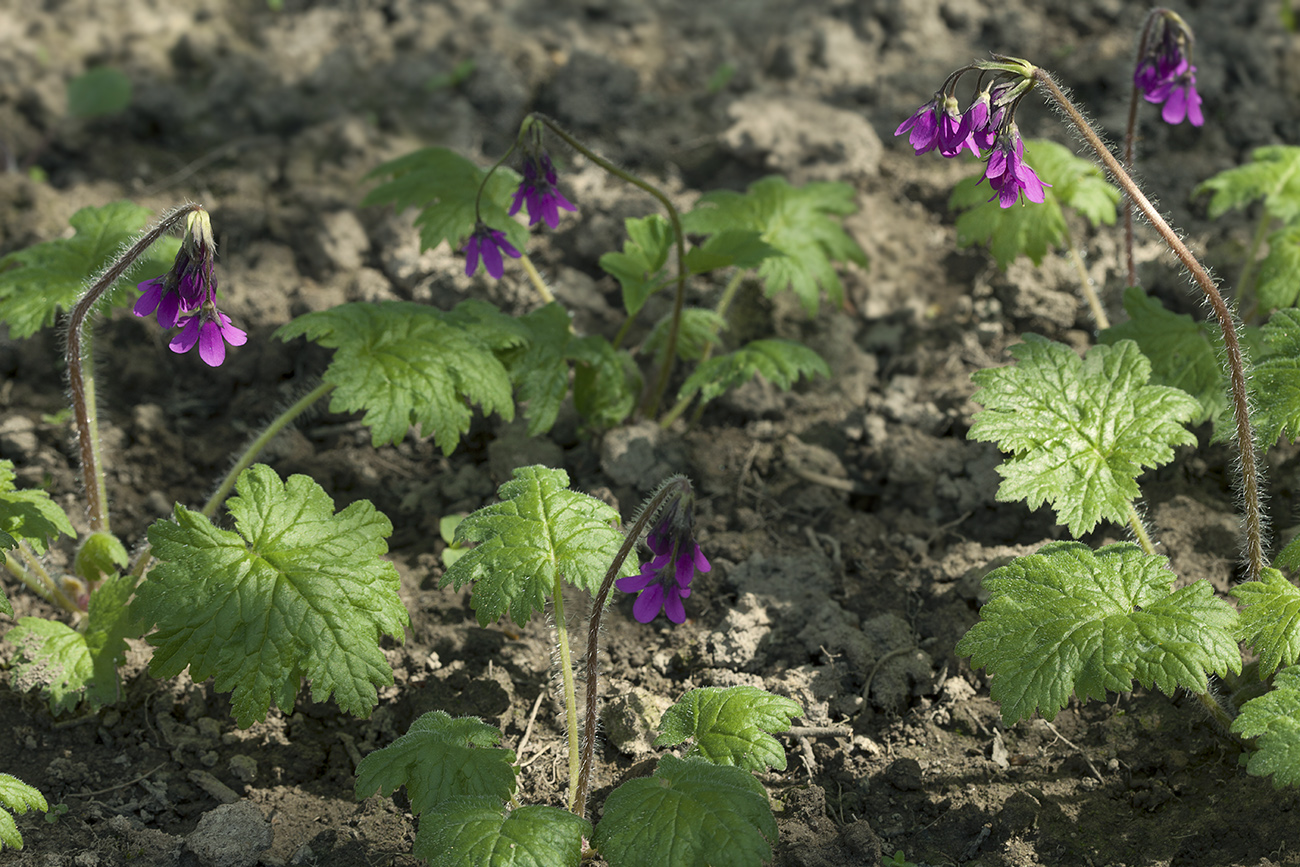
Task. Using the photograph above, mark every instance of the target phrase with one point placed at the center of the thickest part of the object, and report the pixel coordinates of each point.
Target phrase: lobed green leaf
(730, 726)
(1070, 620)
(29, 515)
(1277, 286)
(699, 327)
(408, 364)
(690, 812)
(19, 797)
(540, 532)
(53, 656)
(639, 268)
(1078, 431)
(1274, 720)
(1273, 174)
(477, 832)
(1270, 619)
(1276, 378)
(444, 186)
(781, 362)
(40, 281)
(296, 590)
(440, 758)
(801, 225)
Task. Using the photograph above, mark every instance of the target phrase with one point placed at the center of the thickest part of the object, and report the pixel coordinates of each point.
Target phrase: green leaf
(1183, 353)
(477, 832)
(444, 185)
(1032, 230)
(740, 248)
(699, 327)
(101, 555)
(38, 282)
(540, 368)
(639, 268)
(19, 797)
(29, 515)
(53, 656)
(296, 590)
(99, 92)
(1078, 431)
(440, 758)
(1274, 720)
(406, 364)
(689, 812)
(539, 530)
(1272, 175)
(606, 382)
(1289, 557)
(1276, 379)
(781, 362)
(802, 225)
(1277, 285)
(1270, 619)
(1069, 620)
(730, 726)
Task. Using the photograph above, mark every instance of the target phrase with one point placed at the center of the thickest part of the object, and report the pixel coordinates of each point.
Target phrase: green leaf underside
(1070, 620)
(639, 268)
(1078, 431)
(296, 590)
(477, 832)
(539, 528)
(730, 726)
(444, 185)
(440, 758)
(1273, 174)
(699, 327)
(30, 515)
(407, 364)
(802, 225)
(1270, 619)
(19, 797)
(40, 281)
(780, 362)
(690, 812)
(1032, 230)
(1277, 286)
(1276, 379)
(1183, 353)
(1274, 720)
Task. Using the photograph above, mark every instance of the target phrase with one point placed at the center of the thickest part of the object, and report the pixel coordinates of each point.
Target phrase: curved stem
(593, 640)
(538, 283)
(81, 380)
(651, 405)
(1249, 464)
(570, 691)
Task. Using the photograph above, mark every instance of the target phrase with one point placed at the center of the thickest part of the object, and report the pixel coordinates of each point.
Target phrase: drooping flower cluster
(666, 579)
(1164, 72)
(986, 128)
(186, 296)
(488, 244)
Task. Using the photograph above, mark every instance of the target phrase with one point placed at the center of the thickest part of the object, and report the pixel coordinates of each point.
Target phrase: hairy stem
(1085, 286)
(30, 571)
(1249, 465)
(593, 641)
(1139, 530)
(536, 279)
(81, 379)
(570, 691)
(651, 405)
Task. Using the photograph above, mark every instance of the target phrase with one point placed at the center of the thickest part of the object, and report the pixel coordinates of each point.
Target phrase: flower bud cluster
(1164, 72)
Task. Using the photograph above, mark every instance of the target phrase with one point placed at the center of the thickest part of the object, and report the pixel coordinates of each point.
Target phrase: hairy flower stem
(536, 279)
(33, 574)
(1130, 142)
(81, 379)
(648, 514)
(245, 461)
(570, 691)
(1139, 530)
(1249, 464)
(650, 407)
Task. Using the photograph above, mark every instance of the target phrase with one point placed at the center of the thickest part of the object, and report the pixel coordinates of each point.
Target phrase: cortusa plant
(1078, 432)
(297, 589)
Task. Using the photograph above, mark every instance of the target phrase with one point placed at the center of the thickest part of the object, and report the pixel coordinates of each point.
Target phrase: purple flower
(538, 189)
(1180, 98)
(666, 580)
(191, 280)
(488, 244)
(1009, 175)
(924, 125)
(955, 131)
(211, 330)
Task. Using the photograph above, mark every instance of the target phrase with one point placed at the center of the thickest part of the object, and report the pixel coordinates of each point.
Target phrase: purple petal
(189, 335)
(492, 258)
(168, 309)
(471, 255)
(1175, 109)
(638, 582)
(212, 349)
(148, 302)
(649, 603)
(229, 333)
(674, 608)
(701, 563)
